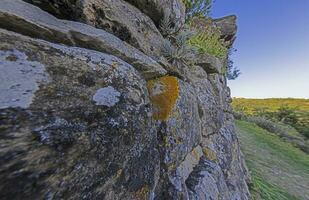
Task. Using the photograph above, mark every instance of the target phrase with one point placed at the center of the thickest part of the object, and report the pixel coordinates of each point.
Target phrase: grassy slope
(279, 170)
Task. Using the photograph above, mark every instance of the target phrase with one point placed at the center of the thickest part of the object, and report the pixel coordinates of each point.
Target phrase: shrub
(207, 38)
(166, 27)
(267, 125)
(231, 72)
(177, 51)
(197, 8)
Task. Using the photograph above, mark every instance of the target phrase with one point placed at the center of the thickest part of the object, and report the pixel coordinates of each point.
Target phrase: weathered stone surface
(157, 9)
(209, 63)
(75, 137)
(21, 17)
(116, 17)
(79, 124)
(228, 28)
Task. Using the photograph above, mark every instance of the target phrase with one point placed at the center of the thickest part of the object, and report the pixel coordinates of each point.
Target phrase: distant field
(278, 170)
(249, 106)
(261, 106)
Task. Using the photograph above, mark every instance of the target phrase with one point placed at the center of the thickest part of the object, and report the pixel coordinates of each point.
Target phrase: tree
(232, 72)
(197, 8)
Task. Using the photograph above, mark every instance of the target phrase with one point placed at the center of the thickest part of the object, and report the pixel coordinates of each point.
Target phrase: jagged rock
(210, 64)
(66, 124)
(21, 17)
(228, 28)
(158, 9)
(226, 25)
(116, 17)
(206, 182)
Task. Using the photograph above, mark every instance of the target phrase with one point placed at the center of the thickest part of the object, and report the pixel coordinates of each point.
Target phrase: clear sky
(272, 47)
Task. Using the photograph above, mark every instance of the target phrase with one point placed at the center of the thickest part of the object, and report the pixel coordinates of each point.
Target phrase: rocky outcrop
(174, 10)
(86, 114)
(116, 17)
(29, 20)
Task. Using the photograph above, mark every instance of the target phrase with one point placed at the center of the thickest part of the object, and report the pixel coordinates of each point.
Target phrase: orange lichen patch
(164, 92)
(210, 154)
(142, 193)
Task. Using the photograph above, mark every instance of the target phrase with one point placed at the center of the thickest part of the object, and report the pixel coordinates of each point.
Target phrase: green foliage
(293, 112)
(166, 27)
(208, 41)
(197, 8)
(287, 115)
(231, 72)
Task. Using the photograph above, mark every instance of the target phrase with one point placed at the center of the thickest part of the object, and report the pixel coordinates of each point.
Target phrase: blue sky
(272, 47)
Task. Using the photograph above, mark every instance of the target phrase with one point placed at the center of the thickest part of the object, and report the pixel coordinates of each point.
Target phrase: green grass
(279, 171)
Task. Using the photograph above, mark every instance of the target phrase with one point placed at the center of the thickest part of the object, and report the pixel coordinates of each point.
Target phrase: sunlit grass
(277, 168)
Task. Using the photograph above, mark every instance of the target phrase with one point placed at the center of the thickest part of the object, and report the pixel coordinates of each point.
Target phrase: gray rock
(228, 27)
(20, 79)
(116, 17)
(21, 17)
(105, 122)
(210, 64)
(158, 9)
(106, 96)
(63, 145)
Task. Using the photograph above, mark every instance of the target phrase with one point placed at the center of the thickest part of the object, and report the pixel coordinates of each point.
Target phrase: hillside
(293, 112)
(279, 171)
(249, 106)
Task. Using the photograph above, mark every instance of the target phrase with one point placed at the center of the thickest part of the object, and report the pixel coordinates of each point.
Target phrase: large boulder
(66, 124)
(21, 17)
(116, 17)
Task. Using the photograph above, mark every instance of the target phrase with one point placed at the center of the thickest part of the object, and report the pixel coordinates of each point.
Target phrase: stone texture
(116, 17)
(70, 142)
(228, 27)
(24, 18)
(98, 119)
(158, 9)
(210, 64)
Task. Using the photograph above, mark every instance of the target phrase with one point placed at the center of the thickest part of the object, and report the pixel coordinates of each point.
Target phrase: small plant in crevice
(207, 38)
(176, 50)
(167, 28)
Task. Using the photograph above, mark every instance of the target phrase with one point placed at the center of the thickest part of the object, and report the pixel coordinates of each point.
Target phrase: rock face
(86, 114)
(116, 17)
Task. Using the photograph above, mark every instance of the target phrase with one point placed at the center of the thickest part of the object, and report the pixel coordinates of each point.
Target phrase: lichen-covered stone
(76, 123)
(24, 18)
(163, 94)
(83, 135)
(19, 81)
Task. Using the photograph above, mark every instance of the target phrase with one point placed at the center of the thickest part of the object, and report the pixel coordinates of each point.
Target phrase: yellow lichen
(164, 92)
(210, 154)
(142, 193)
